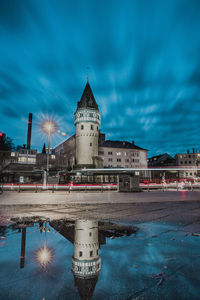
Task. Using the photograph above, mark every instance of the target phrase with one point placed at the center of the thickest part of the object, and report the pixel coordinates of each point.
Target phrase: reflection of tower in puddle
(86, 262)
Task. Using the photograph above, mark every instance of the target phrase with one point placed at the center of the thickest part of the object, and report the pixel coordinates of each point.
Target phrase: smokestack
(29, 131)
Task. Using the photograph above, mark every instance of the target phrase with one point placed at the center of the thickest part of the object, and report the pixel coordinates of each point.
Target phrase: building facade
(190, 161)
(121, 154)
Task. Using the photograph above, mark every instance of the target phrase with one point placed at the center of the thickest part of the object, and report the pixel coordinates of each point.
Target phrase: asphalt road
(179, 207)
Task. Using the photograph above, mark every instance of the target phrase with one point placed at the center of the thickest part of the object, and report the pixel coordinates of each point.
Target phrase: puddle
(87, 259)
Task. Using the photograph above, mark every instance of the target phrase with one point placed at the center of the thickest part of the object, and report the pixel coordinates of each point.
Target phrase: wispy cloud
(144, 65)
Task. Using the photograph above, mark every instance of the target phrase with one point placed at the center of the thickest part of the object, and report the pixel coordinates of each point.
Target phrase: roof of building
(162, 159)
(120, 144)
(87, 98)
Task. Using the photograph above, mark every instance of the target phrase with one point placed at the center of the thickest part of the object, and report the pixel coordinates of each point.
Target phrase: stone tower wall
(86, 143)
(86, 240)
(87, 123)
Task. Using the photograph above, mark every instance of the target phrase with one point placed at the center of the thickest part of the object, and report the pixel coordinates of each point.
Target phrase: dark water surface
(98, 260)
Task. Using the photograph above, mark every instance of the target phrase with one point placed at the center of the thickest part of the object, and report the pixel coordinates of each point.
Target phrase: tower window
(97, 128)
(92, 127)
(97, 251)
(80, 253)
(82, 127)
(91, 115)
(90, 144)
(91, 253)
(90, 234)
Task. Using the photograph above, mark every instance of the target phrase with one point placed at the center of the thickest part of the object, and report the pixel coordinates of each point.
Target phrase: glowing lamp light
(49, 126)
(44, 256)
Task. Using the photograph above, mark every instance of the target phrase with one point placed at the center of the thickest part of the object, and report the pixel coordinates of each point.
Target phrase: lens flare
(49, 126)
(44, 256)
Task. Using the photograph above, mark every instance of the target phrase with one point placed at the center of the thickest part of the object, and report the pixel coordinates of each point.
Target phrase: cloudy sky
(144, 68)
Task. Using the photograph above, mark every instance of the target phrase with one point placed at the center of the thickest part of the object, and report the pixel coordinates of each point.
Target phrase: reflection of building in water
(86, 262)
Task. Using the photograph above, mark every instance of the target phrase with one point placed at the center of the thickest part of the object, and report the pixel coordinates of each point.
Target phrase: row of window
(126, 160)
(27, 151)
(190, 174)
(91, 115)
(91, 253)
(189, 162)
(192, 155)
(90, 268)
(126, 166)
(119, 153)
(25, 159)
(91, 127)
(32, 152)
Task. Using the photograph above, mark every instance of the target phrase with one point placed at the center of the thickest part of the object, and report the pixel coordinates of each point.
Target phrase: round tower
(86, 261)
(87, 121)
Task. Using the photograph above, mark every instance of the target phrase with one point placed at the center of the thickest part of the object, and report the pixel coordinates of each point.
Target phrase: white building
(87, 121)
(89, 149)
(122, 154)
(23, 156)
(190, 161)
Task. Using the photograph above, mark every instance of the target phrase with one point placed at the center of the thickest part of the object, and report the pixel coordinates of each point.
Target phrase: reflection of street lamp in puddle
(44, 255)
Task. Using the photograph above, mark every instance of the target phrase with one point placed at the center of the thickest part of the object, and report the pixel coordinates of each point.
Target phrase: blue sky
(144, 68)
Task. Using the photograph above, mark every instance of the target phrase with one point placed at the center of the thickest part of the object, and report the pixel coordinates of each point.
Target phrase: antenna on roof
(87, 68)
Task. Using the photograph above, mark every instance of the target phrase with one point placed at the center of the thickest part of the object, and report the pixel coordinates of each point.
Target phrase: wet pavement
(179, 207)
(92, 259)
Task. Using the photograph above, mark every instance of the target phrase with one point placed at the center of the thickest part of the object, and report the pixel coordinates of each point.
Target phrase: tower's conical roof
(86, 287)
(87, 98)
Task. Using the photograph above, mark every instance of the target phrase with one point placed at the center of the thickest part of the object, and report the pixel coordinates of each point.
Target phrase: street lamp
(49, 127)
